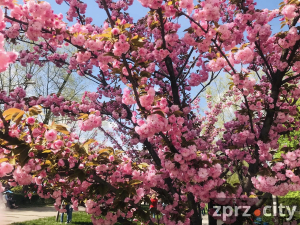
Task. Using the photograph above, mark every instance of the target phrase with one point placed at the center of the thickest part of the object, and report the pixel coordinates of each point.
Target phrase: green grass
(78, 218)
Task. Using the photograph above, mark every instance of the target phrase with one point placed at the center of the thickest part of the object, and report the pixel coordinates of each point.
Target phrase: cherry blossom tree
(149, 75)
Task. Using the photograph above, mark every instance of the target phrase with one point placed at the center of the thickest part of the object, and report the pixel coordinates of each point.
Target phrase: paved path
(205, 220)
(8, 216)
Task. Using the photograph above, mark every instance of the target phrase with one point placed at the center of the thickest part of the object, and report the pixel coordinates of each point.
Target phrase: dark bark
(196, 217)
(174, 85)
(168, 62)
(211, 220)
(152, 153)
(157, 161)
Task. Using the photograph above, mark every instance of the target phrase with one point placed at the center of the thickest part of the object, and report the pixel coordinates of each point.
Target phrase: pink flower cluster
(209, 12)
(161, 54)
(188, 4)
(74, 5)
(5, 168)
(83, 57)
(122, 46)
(93, 121)
(291, 38)
(147, 100)
(51, 135)
(225, 32)
(245, 55)
(216, 65)
(289, 11)
(22, 175)
(5, 57)
(7, 3)
(196, 79)
(153, 4)
(155, 123)
(126, 98)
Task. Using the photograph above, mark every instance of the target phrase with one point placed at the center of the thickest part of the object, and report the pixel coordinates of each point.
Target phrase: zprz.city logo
(287, 212)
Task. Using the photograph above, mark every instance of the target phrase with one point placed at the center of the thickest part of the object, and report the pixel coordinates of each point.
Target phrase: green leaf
(281, 34)
(23, 157)
(79, 149)
(13, 114)
(138, 43)
(87, 143)
(190, 30)
(108, 151)
(286, 149)
(264, 172)
(244, 45)
(178, 113)
(136, 37)
(20, 149)
(81, 175)
(245, 163)
(145, 74)
(83, 116)
(233, 179)
(35, 110)
(3, 160)
(135, 182)
(169, 155)
(159, 113)
(109, 54)
(127, 25)
(47, 151)
(62, 128)
(235, 49)
(12, 161)
(186, 143)
(143, 165)
(154, 24)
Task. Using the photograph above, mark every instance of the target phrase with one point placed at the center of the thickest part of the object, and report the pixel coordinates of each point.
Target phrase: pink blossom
(115, 31)
(81, 166)
(111, 158)
(30, 120)
(289, 11)
(61, 163)
(140, 192)
(58, 144)
(51, 135)
(6, 168)
(203, 173)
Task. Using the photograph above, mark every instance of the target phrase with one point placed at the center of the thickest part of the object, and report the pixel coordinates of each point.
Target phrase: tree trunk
(196, 217)
(239, 220)
(211, 220)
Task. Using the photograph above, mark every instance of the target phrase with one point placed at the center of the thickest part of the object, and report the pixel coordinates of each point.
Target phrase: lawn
(78, 218)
